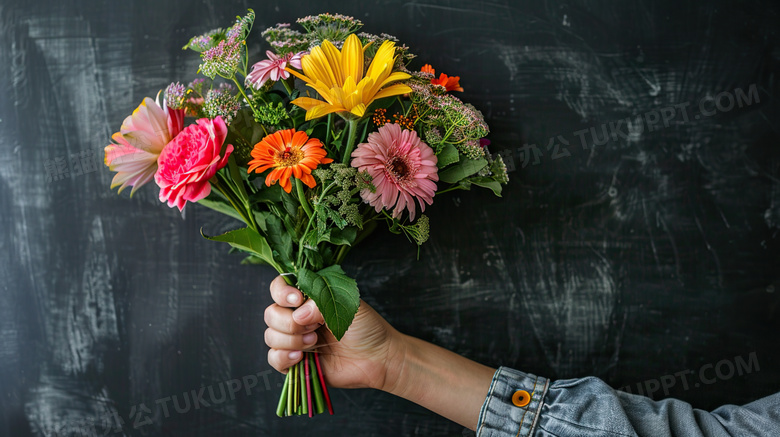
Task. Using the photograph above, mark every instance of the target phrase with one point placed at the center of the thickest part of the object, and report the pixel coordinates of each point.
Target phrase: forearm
(440, 380)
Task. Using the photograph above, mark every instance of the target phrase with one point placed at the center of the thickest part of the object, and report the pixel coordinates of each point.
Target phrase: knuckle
(273, 360)
(267, 315)
(292, 327)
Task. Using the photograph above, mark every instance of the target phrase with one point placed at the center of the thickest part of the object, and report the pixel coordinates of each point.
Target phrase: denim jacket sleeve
(587, 407)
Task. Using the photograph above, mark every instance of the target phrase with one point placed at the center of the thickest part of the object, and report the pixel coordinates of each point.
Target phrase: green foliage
(280, 241)
(218, 203)
(337, 206)
(331, 27)
(448, 155)
(344, 236)
(463, 169)
(203, 42)
(417, 232)
(249, 241)
(271, 114)
(483, 181)
(336, 295)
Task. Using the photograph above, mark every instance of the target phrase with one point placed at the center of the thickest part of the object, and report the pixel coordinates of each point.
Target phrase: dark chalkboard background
(632, 253)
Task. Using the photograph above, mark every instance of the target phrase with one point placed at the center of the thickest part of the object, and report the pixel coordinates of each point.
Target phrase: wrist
(432, 377)
(395, 364)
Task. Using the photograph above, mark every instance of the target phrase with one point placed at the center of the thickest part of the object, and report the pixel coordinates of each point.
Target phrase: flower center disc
(399, 168)
(289, 157)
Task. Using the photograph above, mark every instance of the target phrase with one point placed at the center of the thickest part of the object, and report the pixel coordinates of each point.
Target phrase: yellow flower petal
(383, 60)
(322, 110)
(338, 77)
(307, 102)
(352, 58)
(393, 90)
(331, 60)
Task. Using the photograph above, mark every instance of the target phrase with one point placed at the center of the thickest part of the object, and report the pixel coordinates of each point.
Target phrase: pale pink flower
(272, 68)
(403, 168)
(139, 142)
(188, 162)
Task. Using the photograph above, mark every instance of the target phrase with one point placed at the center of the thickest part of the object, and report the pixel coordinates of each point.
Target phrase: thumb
(308, 314)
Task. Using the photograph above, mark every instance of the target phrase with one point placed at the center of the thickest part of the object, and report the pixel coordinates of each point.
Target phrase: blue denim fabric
(587, 407)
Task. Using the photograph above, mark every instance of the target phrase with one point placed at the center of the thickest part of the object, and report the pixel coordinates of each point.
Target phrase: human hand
(370, 354)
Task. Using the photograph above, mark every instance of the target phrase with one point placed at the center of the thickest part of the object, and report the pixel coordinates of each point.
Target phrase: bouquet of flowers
(310, 149)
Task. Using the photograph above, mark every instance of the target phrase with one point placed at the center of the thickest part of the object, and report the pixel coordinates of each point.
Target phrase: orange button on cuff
(521, 398)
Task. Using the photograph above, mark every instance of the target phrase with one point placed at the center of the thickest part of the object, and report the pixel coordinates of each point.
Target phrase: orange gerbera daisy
(450, 83)
(289, 153)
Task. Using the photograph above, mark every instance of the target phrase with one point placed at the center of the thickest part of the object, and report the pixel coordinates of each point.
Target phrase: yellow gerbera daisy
(338, 77)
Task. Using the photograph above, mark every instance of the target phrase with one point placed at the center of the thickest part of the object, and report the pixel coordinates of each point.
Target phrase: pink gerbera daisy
(403, 168)
(272, 68)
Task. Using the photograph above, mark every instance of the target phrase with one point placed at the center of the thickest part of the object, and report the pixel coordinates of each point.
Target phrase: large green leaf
(247, 240)
(272, 194)
(343, 236)
(464, 168)
(279, 240)
(219, 204)
(447, 156)
(487, 182)
(336, 295)
(251, 259)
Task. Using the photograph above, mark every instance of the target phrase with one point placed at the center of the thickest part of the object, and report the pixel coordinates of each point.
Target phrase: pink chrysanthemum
(272, 68)
(403, 168)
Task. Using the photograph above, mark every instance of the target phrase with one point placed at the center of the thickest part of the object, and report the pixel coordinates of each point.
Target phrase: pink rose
(188, 162)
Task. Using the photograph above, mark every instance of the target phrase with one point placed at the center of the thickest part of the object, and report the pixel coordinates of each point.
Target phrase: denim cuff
(500, 416)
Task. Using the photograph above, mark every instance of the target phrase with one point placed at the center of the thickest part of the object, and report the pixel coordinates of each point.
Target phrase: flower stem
(342, 253)
(282, 406)
(319, 400)
(302, 197)
(303, 388)
(308, 384)
(351, 140)
(363, 135)
(452, 188)
(322, 383)
(287, 87)
(327, 132)
(241, 89)
(233, 201)
(308, 224)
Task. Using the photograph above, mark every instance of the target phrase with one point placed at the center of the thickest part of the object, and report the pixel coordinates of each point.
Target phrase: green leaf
(447, 156)
(328, 256)
(249, 241)
(253, 260)
(217, 203)
(487, 182)
(279, 240)
(313, 257)
(272, 194)
(260, 218)
(326, 212)
(382, 103)
(464, 168)
(290, 204)
(336, 295)
(342, 236)
(275, 196)
(238, 180)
